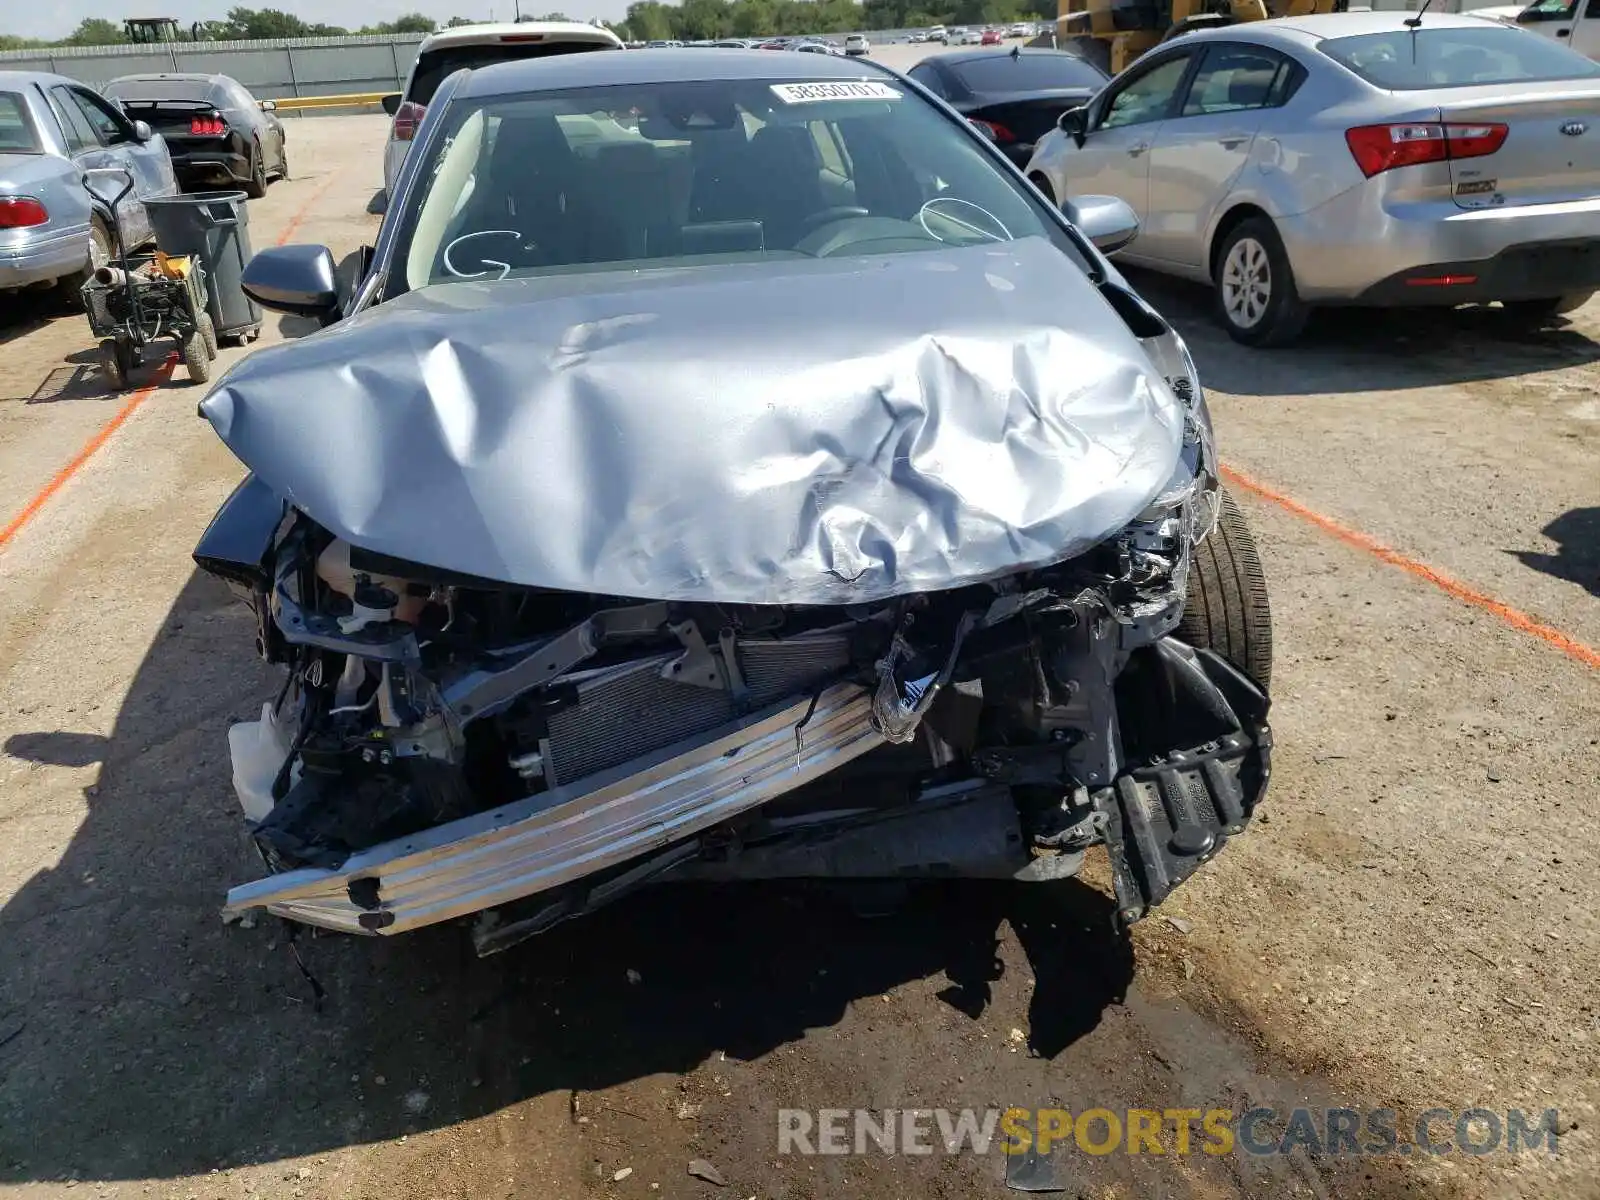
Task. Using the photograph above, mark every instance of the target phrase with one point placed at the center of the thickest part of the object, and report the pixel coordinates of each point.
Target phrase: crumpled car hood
(798, 432)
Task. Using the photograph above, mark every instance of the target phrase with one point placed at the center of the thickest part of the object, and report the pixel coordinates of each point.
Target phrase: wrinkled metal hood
(798, 432)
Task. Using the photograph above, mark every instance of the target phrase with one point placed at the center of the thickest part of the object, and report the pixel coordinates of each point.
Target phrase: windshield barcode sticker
(805, 93)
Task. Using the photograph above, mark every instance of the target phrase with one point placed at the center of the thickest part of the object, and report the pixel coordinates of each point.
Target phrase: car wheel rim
(99, 252)
(1246, 283)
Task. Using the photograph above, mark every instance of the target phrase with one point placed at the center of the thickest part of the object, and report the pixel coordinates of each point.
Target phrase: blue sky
(56, 20)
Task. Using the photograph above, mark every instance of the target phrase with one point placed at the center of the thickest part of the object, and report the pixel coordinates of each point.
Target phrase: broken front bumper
(495, 857)
(1168, 811)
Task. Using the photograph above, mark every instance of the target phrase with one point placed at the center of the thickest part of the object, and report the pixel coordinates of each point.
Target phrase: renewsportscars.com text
(1166, 1131)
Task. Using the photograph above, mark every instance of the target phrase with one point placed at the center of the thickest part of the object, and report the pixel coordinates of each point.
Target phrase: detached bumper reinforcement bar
(564, 834)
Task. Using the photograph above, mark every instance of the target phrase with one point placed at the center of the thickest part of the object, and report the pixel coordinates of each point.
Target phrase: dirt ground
(1411, 925)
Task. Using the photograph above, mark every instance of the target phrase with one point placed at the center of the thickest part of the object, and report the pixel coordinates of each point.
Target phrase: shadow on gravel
(1577, 557)
(1367, 349)
(140, 1037)
(24, 312)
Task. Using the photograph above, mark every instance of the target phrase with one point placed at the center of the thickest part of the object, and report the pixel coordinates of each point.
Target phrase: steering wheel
(837, 212)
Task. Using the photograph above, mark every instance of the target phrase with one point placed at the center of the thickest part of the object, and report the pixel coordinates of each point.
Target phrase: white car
(442, 54)
(856, 44)
(938, 34)
(1018, 30)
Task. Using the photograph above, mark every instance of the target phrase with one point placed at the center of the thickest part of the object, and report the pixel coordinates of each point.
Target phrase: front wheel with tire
(1257, 301)
(1227, 608)
(257, 185)
(1045, 190)
(114, 364)
(196, 359)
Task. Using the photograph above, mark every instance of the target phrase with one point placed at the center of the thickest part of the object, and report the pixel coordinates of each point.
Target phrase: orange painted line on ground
(301, 213)
(163, 373)
(58, 481)
(1453, 588)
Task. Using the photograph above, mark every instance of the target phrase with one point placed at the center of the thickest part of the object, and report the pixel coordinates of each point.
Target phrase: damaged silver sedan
(726, 468)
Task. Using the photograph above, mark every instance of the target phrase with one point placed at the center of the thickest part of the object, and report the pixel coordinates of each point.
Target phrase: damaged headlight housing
(1192, 489)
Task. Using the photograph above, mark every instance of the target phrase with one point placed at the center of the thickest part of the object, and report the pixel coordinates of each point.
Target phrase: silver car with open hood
(726, 466)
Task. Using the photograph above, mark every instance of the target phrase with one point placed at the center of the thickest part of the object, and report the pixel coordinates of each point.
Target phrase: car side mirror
(300, 280)
(1074, 123)
(142, 132)
(391, 104)
(269, 106)
(1105, 220)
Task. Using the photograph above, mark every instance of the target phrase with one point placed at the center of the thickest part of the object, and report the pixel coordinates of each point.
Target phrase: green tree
(411, 23)
(698, 20)
(649, 21)
(458, 22)
(96, 31)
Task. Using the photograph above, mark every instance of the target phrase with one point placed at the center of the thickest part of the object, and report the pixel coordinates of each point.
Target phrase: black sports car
(1014, 97)
(215, 130)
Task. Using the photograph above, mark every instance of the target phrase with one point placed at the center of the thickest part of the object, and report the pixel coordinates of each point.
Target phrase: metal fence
(276, 69)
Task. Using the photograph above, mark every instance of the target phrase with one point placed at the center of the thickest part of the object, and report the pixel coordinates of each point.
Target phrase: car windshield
(1456, 56)
(17, 135)
(1027, 73)
(159, 89)
(435, 66)
(686, 173)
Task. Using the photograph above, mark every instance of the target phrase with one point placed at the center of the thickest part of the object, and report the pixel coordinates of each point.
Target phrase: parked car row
(165, 131)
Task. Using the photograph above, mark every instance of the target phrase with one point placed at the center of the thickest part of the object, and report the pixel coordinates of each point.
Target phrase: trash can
(215, 226)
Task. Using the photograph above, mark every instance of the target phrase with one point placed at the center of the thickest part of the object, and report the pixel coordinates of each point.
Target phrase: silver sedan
(1350, 159)
(52, 130)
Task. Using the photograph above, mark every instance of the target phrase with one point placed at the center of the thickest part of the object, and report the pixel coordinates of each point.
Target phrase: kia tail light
(1379, 148)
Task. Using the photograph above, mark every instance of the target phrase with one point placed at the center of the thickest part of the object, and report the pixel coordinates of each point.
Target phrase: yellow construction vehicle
(1112, 33)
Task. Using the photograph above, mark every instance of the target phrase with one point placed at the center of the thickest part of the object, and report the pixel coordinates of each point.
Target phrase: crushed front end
(446, 745)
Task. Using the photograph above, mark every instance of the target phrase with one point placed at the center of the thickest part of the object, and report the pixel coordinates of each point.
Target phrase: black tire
(1264, 274)
(1043, 184)
(195, 358)
(71, 287)
(1533, 312)
(256, 186)
(113, 365)
(283, 160)
(208, 331)
(1227, 609)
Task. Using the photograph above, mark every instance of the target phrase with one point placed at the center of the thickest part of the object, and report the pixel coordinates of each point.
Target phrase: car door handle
(1233, 141)
(1137, 149)
(1563, 33)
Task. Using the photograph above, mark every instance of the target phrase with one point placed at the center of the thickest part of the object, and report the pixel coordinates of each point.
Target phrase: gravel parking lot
(1411, 926)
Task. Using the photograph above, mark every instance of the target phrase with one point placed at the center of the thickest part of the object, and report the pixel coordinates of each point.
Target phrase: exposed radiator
(629, 710)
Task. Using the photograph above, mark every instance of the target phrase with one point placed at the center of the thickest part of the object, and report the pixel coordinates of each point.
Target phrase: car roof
(16, 79)
(491, 32)
(688, 64)
(180, 76)
(1316, 27)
